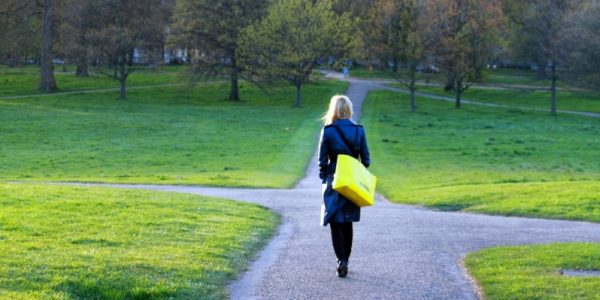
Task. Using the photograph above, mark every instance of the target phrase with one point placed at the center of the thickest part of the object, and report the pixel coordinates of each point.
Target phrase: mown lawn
(532, 272)
(174, 135)
(481, 159)
(566, 100)
(24, 81)
(65, 242)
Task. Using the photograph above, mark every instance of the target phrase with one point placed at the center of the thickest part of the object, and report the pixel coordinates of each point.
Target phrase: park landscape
(174, 188)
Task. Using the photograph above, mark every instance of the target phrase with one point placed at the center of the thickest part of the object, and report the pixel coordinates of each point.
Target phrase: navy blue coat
(335, 207)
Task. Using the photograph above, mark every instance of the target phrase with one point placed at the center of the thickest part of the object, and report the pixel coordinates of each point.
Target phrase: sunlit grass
(63, 242)
(482, 159)
(174, 135)
(532, 272)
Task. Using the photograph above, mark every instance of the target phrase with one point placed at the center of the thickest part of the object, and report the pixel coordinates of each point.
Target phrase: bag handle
(347, 142)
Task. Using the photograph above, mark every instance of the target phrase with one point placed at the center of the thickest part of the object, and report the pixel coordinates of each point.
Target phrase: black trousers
(341, 236)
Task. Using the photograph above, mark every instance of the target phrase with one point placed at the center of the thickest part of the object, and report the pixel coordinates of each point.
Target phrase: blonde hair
(340, 107)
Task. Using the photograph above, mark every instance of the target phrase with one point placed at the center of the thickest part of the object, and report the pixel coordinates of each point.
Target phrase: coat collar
(343, 122)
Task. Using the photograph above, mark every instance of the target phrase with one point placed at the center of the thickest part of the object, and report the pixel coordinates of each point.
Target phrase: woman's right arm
(323, 159)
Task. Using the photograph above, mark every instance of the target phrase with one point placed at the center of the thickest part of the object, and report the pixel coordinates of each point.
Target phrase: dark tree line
(269, 40)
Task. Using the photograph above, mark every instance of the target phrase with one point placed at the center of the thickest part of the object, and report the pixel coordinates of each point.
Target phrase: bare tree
(580, 46)
(21, 29)
(408, 41)
(213, 28)
(120, 28)
(464, 31)
(77, 16)
(47, 81)
(538, 35)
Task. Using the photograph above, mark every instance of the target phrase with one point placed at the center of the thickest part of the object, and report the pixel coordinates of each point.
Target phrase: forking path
(399, 251)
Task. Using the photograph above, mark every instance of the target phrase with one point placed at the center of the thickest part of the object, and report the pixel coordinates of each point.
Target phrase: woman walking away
(340, 136)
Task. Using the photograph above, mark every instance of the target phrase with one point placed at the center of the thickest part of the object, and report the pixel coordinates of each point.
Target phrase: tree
(378, 38)
(366, 42)
(213, 28)
(21, 30)
(465, 31)
(77, 24)
(123, 27)
(293, 37)
(47, 81)
(581, 59)
(407, 41)
(541, 22)
(19, 35)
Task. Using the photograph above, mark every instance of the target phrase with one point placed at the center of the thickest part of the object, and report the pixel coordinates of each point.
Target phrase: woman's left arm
(323, 159)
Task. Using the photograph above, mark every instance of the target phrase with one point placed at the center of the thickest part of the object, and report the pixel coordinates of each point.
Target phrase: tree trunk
(383, 64)
(82, 65)
(122, 79)
(450, 83)
(123, 90)
(412, 97)
(82, 69)
(47, 82)
(395, 66)
(412, 87)
(234, 92)
(541, 70)
(298, 94)
(459, 91)
(553, 91)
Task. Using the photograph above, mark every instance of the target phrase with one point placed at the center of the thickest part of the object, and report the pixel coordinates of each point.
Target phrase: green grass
(567, 100)
(532, 272)
(64, 242)
(481, 159)
(24, 81)
(498, 76)
(513, 76)
(164, 135)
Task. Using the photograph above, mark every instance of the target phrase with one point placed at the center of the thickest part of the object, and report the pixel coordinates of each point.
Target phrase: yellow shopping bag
(354, 181)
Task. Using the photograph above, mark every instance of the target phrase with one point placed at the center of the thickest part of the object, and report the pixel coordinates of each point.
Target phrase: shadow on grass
(452, 206)
(140, 282)
(101, 289)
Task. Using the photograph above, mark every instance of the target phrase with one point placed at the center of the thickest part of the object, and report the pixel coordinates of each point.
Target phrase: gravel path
(400, 252)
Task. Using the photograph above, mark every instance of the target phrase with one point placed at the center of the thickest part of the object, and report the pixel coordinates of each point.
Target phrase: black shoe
(342, 269)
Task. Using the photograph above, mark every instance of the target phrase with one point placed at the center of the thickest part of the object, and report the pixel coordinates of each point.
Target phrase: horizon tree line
(284, 40)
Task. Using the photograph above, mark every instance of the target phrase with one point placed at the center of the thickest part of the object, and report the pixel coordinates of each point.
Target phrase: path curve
(399, 252)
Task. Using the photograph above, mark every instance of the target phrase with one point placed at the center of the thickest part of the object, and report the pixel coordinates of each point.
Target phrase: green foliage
(532, 272)
(63, 242)
(295, 34)
(172, 135)
(490, 160)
